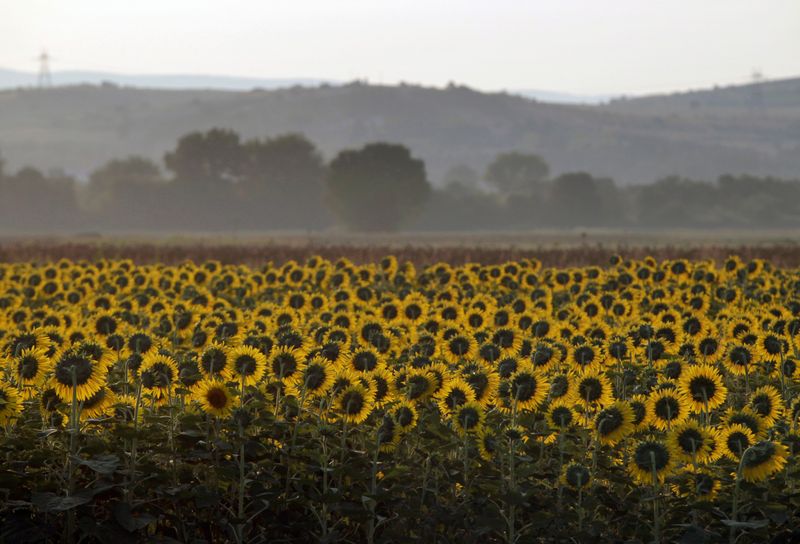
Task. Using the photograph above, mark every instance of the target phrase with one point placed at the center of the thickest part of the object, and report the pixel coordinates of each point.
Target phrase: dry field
(552, 248)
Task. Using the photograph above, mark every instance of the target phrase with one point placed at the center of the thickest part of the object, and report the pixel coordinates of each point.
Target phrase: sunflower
(561, 415)
(770, 347)
(691, 442)
(30, 368)
(702, 386)
(762, 460)
(528, 388)
(420, 383)
(735, 439)
(214, 361)
(614, 422)
(667, 408)
(364, 359)
(283, 363)
(10, 405)
(576, 476)
(214, 397)
(651, 461)
(246, 365)
(454, 393)
(354, 403)
(468, 417)
(593, 389)
(483, 382)
(388, 434)
(36, 338)
(382, 386)
(76, 373)
(414, 308)
(405, 415)
(159, 374)
(641, 417)
(457, 348)
(748, 417)
(700, 485)
(766, 401)
(487, 443)
(508, 339)
(738, 360)
(99, 404)
(315, 380)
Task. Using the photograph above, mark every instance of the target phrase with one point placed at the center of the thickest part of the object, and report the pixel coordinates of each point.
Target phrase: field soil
(553, 248)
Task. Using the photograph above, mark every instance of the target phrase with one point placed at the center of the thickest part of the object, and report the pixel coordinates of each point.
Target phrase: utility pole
(44, 79)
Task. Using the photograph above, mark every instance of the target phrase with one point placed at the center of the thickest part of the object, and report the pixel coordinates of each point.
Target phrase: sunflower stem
(656, 514)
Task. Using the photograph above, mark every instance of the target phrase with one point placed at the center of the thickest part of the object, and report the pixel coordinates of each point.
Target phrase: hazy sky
(581, 46)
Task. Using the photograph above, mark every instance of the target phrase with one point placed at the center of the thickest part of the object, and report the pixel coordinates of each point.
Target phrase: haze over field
(302, 115)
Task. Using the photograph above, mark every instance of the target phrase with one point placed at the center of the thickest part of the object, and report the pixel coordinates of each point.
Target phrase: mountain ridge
(80, 127)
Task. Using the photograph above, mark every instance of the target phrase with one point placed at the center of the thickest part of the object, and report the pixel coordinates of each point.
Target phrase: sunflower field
(326, 401)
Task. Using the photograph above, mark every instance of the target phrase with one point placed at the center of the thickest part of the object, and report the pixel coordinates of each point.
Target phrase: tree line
(214, 180)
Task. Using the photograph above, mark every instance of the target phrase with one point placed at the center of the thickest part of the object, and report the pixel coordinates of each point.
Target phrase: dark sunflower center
(703, 484)
(740, 356)
(540, 328)
(584, 355)
(762, 404)
(161, 374)
(651, 455)
(455, 398)
(590, 389)
(524, 387)
(284, 365)
(772, 345)
(353, 402)
(760, 453)
(404, 416)
(673, 369)
(690, 440)
(315, 377)
(459, 346)
(413, 311)
(577, 475)
(213, 361)
(667, 408)
(81, 366)
(490, 352)
(609, 420)
(504, 338)
(217, 398)
(365, 361)
(106, 325)
(708, 346)
(478, 382)
(618, 350)
(738, 442)
(417, 386)
(28, 367)
(639, 411)
(468, 417)
(245, 365)
(702, 388)
(562, 416)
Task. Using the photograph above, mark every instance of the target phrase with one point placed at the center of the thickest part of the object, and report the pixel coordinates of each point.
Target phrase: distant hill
(77, 128)
(11, 79)
(780, 97)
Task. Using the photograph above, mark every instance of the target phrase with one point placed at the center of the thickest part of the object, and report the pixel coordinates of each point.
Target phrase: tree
(576, 200)
(130, 176)
(283, 180)
(209, 158)
(377, 187)
(513, 173)
(461, 179)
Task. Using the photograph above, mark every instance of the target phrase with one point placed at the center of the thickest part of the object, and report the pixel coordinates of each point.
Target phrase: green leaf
(102, 464)
(128, 520)
(756, 524)
(50, 502)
